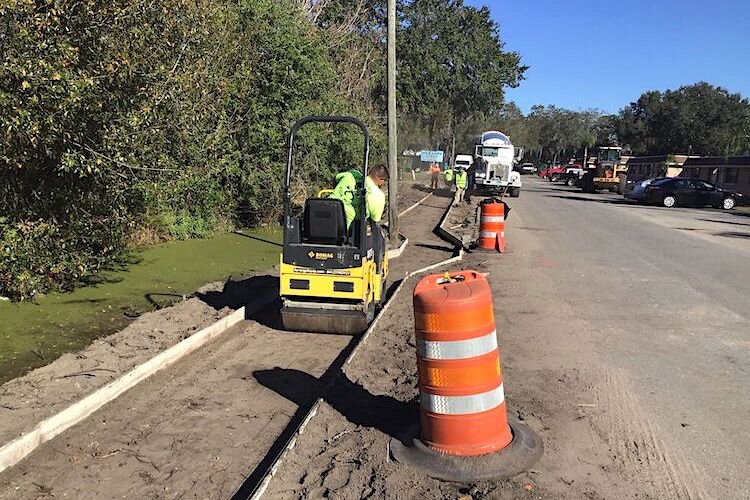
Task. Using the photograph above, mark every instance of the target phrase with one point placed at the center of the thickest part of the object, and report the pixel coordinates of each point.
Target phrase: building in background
(646, 167)
(731, 172)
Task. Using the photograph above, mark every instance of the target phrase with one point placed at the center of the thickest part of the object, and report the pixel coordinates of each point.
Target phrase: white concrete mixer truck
(497, 176)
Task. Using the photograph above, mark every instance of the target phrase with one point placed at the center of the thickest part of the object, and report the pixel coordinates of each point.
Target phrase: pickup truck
(571, 176)
(527, 168)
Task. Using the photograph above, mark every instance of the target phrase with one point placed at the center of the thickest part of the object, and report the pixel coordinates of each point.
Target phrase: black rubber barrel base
(520, 455)
(485, 250)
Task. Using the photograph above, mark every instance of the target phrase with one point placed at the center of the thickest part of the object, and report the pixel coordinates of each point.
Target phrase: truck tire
(571, 182)
(515, 192)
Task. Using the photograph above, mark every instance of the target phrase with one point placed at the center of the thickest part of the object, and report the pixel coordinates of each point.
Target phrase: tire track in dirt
(633, 437)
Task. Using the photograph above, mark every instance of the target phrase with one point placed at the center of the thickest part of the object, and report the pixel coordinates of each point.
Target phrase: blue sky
(604, 53)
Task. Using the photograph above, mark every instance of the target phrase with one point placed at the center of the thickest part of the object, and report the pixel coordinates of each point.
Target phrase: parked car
(528, 168)
(678, 191)
(638, 189)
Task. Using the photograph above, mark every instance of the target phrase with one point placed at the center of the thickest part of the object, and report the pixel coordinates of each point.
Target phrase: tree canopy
(697, 119)
(452, 67)
(137, 120)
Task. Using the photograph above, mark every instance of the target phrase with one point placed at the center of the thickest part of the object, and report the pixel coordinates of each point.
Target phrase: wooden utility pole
(392, 143)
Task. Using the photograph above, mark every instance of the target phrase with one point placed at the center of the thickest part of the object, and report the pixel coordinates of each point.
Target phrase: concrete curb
(16, 450)
(406, 211)
(446, 234)
(395, 253)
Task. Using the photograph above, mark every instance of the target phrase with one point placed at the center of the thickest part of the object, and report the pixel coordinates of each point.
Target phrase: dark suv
(676, 191)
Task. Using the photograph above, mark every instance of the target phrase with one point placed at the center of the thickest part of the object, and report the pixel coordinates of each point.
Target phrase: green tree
(452, 65)
(699, 119)
(162, 117)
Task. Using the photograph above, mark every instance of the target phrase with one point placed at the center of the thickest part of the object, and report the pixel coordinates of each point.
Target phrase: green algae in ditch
(34, 334)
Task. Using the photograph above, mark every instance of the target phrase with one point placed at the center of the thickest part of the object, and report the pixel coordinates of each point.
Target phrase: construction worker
(434, 175)
(461, 178)
(448, 176)
(346, 190)
(478, 165)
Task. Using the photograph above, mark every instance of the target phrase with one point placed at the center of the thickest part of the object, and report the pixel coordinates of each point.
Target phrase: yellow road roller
(332, 278)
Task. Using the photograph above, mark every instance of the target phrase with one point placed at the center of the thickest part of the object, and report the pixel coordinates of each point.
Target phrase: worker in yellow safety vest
(461, 177)
(448, 175)
(346, 190)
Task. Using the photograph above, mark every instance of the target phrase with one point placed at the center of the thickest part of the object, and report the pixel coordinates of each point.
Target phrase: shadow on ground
(236, 294)
(606, 200)
(733, 234)
(441, 248)
(354, 402)
(351, 399)
(733, 223)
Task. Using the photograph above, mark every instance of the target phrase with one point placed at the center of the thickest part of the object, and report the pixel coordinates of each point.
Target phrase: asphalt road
(663, 296)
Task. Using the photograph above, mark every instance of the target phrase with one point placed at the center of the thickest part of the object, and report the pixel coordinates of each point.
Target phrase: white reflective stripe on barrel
(462, 405)
(457, 349)
(491, 218)
(487, 234)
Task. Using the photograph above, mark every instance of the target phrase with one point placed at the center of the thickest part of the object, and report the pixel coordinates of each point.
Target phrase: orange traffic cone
(465, 434)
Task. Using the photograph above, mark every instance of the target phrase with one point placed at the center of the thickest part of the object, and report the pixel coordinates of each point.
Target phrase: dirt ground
(199, 428)
(597, 442)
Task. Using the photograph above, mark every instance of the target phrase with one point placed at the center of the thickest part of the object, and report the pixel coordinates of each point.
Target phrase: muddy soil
(198, 429)
(554, 383)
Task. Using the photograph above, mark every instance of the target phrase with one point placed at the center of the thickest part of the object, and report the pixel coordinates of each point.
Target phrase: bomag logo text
(320, 255)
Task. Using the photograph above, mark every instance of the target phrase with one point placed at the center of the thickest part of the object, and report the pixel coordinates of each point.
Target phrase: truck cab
(498, 156)
(463, 161)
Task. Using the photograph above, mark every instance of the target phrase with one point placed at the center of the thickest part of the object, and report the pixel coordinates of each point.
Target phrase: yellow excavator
(332, 278)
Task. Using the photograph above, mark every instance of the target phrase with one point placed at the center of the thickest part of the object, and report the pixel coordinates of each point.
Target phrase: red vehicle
(545, 172)
(554, 173)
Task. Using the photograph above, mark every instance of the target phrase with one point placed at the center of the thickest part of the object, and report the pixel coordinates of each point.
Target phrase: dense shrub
(168, 115)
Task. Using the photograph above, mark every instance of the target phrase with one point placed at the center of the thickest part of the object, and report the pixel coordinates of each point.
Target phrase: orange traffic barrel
(463, 412)
(460, 381)
(492, 224)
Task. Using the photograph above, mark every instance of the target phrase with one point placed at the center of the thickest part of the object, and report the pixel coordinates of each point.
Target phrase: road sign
(431, 156)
